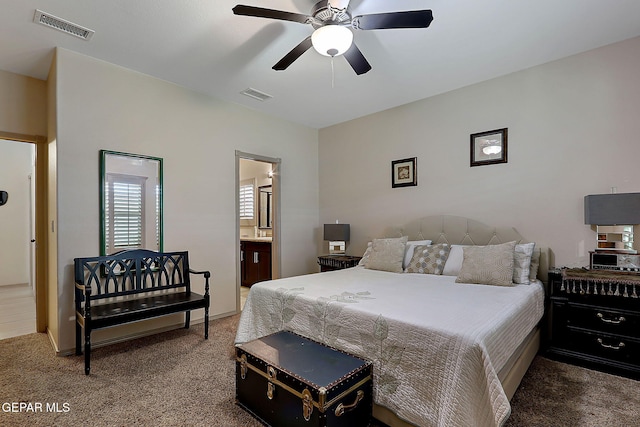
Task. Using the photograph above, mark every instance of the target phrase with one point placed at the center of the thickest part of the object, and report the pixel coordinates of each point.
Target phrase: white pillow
(454, 262)
(535, 265)
(408, 252)
(522, 262)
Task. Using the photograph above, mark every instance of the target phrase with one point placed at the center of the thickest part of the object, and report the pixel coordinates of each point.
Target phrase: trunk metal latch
(307, 404)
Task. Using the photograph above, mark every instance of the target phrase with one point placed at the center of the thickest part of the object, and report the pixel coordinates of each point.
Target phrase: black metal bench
(130, 286)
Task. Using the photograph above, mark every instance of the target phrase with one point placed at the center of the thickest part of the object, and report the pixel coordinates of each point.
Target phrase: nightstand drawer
(599, 319)
(610, 347)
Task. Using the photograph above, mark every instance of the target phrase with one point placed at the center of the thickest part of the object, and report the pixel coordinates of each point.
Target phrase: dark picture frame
(404, 172)
(489, 148)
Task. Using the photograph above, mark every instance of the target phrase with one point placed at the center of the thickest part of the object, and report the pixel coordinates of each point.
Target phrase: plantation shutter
(247, 201)
(124, 212)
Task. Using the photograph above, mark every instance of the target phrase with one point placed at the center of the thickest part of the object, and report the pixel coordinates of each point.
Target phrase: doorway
(24, 228)
(257, 221)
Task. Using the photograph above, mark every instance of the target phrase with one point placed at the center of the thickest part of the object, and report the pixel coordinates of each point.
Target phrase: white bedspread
(436, 345)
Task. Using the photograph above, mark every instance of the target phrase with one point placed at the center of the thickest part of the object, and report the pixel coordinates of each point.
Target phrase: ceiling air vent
(256, 94)
(46, 19)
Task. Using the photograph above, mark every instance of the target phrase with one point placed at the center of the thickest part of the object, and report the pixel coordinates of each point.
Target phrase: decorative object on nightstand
(337, 262)
(614, 216)
(338, 235)
(595, 319)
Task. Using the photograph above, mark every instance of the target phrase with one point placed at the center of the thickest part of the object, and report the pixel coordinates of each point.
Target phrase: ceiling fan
(331, 20)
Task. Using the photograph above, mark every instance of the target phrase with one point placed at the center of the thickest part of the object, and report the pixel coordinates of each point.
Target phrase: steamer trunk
(286, 380)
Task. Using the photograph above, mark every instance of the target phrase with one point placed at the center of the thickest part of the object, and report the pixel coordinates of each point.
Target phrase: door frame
(41, 235)
(276, 264)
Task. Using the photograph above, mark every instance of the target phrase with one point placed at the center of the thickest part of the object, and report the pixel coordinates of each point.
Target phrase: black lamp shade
(612, 209)
(336, 232)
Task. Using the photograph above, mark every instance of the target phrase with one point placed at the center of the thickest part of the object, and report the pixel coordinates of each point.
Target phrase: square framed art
(489, 148)
(404, 172)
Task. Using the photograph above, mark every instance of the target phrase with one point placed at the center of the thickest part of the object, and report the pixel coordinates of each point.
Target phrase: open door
(258, 221)
(35, 240)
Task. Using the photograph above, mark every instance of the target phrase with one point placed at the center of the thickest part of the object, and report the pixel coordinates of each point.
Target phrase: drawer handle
(614, 321)
(612, 347)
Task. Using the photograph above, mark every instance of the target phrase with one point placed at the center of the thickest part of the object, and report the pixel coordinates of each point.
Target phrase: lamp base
(337, 248)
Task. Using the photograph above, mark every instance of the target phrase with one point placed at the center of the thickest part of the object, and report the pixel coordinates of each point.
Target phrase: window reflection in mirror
(265, 209)
(130, 202)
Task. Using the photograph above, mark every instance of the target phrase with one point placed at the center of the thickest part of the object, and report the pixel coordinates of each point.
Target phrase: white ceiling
(202, 45)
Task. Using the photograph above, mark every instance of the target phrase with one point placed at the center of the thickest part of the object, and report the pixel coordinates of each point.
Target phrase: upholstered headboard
(456, 230)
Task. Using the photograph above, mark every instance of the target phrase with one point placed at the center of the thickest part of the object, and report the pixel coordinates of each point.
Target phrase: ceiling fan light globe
(491, 149)
(332, 40)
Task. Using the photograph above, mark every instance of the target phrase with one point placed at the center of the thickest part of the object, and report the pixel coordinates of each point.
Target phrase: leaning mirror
(130, 202)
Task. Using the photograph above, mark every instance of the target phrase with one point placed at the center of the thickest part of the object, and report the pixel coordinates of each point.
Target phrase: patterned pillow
(488, 265)
(408, 251)
(387, 254)
(428, 259)
(522, 262)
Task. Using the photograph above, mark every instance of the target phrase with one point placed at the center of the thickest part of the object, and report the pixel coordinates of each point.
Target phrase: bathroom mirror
(130, 202)
(265, 208)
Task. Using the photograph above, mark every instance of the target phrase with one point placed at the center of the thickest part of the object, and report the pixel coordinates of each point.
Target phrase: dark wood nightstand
(595, 320)
(337, 262)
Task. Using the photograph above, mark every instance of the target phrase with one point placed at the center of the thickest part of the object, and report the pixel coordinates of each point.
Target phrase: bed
(444, 353)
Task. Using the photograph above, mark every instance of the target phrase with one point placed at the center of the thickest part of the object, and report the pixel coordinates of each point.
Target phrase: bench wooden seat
(130, 286)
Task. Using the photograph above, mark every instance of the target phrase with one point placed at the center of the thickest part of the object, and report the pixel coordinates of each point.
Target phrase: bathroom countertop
(256, 239)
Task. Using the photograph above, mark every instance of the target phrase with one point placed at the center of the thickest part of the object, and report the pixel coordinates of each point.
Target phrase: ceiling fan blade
(381, 21)
(356, 59)
(261, 12)
(295, 53)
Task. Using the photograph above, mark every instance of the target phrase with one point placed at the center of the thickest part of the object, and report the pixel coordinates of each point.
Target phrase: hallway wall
(17, 165)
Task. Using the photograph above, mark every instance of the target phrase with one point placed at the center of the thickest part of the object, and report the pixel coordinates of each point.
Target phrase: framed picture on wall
(489, 148)
(404, 172)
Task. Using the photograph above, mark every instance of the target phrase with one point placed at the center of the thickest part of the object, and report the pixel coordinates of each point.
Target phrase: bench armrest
(207, 275)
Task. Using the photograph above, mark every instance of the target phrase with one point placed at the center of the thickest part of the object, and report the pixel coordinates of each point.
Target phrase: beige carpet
(178, 379)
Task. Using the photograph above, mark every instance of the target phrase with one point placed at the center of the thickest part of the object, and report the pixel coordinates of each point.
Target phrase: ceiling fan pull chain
(332, 74)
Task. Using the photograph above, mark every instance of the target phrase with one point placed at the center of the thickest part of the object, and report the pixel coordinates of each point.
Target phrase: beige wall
(573, 131)
(103, 106)
(23, 107)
